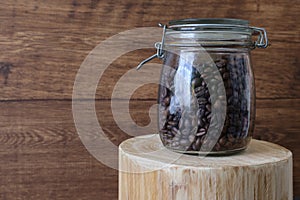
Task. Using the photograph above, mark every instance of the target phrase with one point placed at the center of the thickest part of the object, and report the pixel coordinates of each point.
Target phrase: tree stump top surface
(149, 151)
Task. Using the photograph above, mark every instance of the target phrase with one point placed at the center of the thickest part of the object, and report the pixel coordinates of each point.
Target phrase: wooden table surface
(42, 45)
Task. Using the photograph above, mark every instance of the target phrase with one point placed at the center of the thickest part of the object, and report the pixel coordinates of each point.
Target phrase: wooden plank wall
(42, 45)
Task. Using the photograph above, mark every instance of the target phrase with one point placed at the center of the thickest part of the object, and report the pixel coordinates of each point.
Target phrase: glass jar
(207, 93)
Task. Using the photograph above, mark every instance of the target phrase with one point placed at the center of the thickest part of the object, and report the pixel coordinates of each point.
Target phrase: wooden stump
(148, 171)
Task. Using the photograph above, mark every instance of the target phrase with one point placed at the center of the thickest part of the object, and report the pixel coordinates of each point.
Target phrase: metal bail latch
(262, 40)
(159, 46)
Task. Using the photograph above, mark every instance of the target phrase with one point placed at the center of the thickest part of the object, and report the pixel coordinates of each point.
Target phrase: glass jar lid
(204, 23)
(208, 32)
(214, 32)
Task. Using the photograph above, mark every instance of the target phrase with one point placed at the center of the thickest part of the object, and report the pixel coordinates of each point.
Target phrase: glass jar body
(206, 100)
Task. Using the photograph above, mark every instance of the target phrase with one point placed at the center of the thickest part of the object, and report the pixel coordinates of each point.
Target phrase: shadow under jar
(207, 93)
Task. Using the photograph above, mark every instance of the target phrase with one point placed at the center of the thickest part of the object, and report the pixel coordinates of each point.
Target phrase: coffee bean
(167, 101)
(196, 82)
(202, 101)
(176, 139)
(221, 63)
(206, 126)
(209, 116)
(191, 138)
(184, 142)
(169, 126)
(231, 138)
(175, 144)
(163, 91)
(200, 122)
(172, 123)
(197, 144)
(217, 147)
(185, 132)
(208, 107)
(194, 147)
(201, 132)
(222, 141)
(225, 76)
(200, 94)
(199, 88)
(207, 113)
(222, 70)
(174, 131)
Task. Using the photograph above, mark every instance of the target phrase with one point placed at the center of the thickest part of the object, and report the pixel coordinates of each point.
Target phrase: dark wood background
(42, 45)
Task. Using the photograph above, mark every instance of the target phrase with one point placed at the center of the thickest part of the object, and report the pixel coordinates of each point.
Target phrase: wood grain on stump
(150, 171)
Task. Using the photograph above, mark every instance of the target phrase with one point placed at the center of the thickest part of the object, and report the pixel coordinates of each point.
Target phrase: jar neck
(208, 39)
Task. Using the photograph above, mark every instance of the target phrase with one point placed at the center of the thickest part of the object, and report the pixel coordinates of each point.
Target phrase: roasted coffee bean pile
(185, 130)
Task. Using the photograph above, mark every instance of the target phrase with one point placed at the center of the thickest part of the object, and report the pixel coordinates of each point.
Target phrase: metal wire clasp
(159, 46)
(262, 40)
